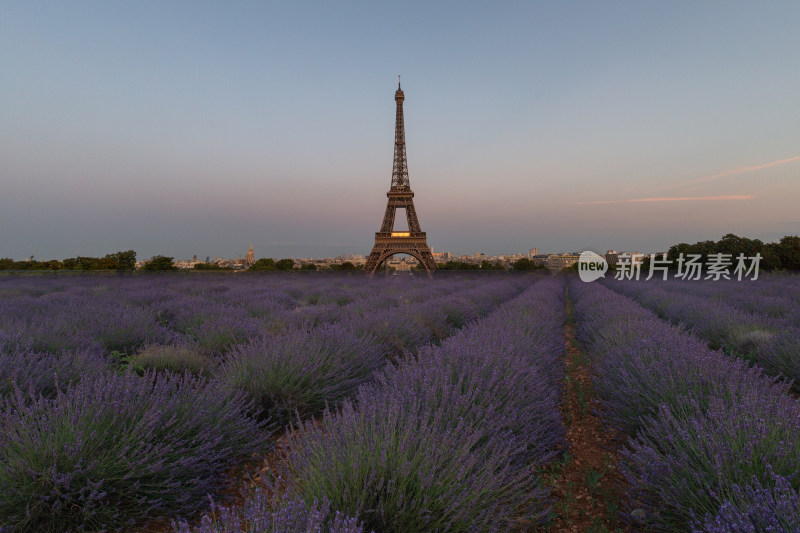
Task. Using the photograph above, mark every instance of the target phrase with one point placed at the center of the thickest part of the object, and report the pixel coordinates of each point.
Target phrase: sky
(201, 128)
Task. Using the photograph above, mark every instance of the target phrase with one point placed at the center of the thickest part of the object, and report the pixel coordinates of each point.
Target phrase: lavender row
(714, 445)
(776, 295)
(42, 342)
(772, 343)
(445, 441)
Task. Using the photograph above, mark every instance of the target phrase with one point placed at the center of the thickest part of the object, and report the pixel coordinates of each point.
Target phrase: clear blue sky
(184, 128)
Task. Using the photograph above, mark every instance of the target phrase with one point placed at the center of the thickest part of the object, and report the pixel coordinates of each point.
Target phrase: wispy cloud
(670, 199)
(734, 171)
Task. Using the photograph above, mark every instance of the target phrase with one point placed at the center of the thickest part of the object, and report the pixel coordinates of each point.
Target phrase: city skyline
(181, 129)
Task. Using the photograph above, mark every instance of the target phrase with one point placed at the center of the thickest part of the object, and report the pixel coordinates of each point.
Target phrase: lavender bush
(681, 468)
(781, 355)
(41, 374)
(173, 358)
(259, 515)
(118, 449)
(411, 468)
(301, 370)
(754, 508)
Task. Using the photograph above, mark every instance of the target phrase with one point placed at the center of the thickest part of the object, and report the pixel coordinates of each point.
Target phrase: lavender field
(339, 403)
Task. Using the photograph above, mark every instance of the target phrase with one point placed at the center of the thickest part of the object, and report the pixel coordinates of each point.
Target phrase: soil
(587, 485)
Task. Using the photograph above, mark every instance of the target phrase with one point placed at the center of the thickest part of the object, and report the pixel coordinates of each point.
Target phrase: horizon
(184, 130)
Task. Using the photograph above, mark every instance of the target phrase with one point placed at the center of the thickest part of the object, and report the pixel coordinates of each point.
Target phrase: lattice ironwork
(387, 241)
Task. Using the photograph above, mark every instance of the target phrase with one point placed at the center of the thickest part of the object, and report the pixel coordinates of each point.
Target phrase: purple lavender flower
(117, 449)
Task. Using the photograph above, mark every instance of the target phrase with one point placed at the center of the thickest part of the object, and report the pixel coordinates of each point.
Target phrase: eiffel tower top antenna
(398, 81)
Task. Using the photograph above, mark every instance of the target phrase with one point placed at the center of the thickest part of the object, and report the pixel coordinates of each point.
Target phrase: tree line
(119, 261)
(781, 255)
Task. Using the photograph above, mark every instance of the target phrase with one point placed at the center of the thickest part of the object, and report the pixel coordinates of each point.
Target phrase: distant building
(404, 263)
(533, 252)
(250, 258)
(558, 262)
(186, 263)
(612, 257)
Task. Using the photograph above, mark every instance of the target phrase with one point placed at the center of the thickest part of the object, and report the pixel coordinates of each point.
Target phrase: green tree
(347, 266)
(789, 250)
(160, 263)
(487, 265)
(784, 254)
(284, 264)
(771, 257)
(125, 261)
(53, 264)
(735, 245)
(263, 265)
(457, 265)
(309, 266)
(526, 264)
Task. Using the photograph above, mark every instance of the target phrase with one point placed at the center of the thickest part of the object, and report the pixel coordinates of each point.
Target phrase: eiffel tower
(387, 241)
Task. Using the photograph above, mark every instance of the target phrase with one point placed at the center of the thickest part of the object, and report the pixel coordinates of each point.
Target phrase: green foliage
(784, 254)
(284, 264)
(121, 261)
(160, 263)
(486, 265)
(526, 264)
(263, 265)
(789, 252)
(10, 264)
(347, 266)
(309, 266)
(458, 265)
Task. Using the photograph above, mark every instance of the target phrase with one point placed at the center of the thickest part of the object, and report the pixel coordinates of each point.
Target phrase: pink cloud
(671, 199)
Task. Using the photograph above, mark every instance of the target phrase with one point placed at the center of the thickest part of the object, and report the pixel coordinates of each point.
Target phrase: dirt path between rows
(586, 483)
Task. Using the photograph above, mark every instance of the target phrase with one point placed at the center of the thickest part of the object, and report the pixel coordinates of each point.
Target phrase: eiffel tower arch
(387, 241)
